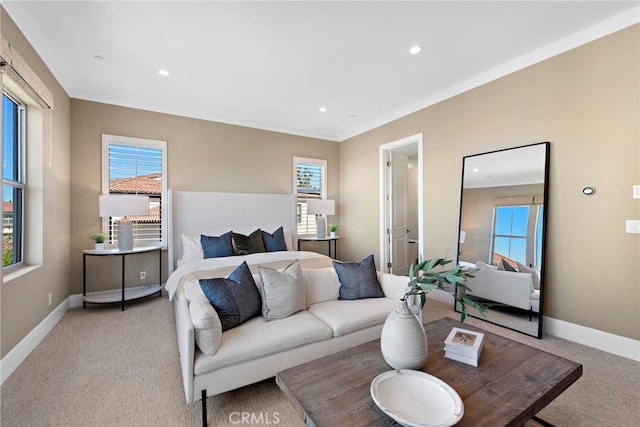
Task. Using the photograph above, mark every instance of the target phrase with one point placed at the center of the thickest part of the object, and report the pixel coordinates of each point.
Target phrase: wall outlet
(143, 275)
(50, 298)
(636, 191)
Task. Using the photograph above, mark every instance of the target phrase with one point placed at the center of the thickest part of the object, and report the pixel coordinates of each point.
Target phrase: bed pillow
(283, 291)
(191, 250)
(358, 279)
(217, 246)
(206, 324)
(235, 298)
(250, 244)
(274, 242)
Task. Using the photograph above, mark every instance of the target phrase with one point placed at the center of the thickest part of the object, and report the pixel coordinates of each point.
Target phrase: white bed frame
(192, 213)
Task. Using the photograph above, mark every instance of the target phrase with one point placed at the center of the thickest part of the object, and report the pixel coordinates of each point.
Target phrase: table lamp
(121, 205)
(322, 207)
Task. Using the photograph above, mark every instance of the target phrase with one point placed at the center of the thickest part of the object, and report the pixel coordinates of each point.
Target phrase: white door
(398, 209)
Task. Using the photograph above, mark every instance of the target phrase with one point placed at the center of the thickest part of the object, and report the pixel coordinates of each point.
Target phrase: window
(13, 180)
(517, 234)
(136, 166)
(310, 182)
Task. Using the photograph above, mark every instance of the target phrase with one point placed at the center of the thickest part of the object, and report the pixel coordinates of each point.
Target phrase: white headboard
(193, 213)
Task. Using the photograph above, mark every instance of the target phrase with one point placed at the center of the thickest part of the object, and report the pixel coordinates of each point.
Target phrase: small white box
(633, 227)
(464, 342)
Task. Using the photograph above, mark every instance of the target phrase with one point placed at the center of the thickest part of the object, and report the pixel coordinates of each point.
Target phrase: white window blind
(310, 182)
(136, 166)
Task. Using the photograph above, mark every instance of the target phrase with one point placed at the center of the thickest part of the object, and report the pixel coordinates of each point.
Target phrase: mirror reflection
(502, 233)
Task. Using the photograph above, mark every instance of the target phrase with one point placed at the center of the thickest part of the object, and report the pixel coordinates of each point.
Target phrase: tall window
(13, 180)
(517, 234)
(136, 166)
(310, 182)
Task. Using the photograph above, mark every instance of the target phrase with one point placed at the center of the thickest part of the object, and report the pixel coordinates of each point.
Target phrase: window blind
(310, 184)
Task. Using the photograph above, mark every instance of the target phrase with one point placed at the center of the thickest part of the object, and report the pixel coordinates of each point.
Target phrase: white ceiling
(272, 65)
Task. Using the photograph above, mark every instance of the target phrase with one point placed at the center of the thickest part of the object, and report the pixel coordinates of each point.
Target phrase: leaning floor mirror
(502, 233)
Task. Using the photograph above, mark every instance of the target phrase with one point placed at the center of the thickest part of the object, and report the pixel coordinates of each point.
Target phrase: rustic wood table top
(511, 384)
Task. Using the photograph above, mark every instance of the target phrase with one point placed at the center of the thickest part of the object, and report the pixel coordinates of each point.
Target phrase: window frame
(322, 163)
(534, 214)
(107, 140)
(20, 183)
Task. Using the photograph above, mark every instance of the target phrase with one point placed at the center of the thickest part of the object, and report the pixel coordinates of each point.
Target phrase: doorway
(401, 205)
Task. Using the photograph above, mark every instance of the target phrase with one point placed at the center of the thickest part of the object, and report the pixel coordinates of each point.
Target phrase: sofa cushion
(217, 246)
(283, 292)
(358, 279)
(535, 274)
(256, 338)
(345, 317)
(235, 298)
(321, 284)
(251, 244)
(206, 324)
(274, 242)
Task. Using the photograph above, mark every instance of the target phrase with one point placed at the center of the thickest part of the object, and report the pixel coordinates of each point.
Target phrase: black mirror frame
(545, 226)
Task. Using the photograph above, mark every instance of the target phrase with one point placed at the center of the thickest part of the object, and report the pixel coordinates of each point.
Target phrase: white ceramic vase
(403, 341)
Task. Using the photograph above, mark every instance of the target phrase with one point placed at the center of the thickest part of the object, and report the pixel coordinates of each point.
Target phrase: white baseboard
(615, 344)
(605, 341)
(16, 356)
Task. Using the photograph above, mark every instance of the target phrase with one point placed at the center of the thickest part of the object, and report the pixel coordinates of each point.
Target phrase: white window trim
(294, 183)
(141, 142)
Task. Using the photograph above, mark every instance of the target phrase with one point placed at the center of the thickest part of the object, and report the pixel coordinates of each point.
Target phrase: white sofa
(259, 349)
(506, 287)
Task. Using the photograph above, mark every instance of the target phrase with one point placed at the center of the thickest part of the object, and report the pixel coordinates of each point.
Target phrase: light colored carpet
(104, 367)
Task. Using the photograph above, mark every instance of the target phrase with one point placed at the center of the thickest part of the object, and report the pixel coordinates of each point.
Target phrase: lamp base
(321, 228)
(125, 235)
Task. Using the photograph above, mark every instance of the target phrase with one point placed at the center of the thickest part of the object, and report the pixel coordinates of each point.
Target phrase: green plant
(333, 227)
(423, 280)
(98, 237)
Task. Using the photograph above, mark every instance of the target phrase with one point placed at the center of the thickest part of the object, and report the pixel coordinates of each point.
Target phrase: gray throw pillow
(283, 292)
(250, 244)
(358, 279)
(216, 246)
(236, 297)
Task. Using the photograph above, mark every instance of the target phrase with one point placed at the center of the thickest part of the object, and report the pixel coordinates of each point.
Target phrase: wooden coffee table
(511, 384)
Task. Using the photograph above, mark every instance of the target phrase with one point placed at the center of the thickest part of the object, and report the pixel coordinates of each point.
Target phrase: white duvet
(220, 267)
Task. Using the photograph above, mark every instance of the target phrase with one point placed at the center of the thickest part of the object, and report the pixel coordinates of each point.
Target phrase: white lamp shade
(123, 205)
(321, 207)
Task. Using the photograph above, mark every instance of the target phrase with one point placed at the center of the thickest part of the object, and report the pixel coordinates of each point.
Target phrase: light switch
(633, 226)
(636, 191)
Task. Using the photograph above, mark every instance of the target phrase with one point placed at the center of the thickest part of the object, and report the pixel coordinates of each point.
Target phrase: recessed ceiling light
(415, 50)
(475, 169)
(322, 109)
(163, 73)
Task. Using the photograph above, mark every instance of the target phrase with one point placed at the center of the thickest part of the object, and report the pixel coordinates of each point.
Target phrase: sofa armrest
(393, 286)
(186, 344)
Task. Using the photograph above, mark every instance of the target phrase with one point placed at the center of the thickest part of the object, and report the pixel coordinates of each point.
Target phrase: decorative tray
(416, 399)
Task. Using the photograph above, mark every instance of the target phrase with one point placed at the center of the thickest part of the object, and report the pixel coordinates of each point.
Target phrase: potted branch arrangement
(403, 341)
(98, 238)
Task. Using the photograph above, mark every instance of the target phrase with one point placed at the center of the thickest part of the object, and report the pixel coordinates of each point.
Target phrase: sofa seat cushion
(346, 316)
(256, 338)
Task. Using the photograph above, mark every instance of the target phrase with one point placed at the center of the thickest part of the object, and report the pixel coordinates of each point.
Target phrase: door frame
(385, 179)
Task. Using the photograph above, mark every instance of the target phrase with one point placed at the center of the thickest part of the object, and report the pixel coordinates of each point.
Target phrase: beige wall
(201, 156)
(24, 299)
(586, 102)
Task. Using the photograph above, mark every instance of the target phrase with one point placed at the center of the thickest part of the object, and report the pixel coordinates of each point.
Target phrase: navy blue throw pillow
(274, 242)
(217, 246)
(358, 279)
(235, 298)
